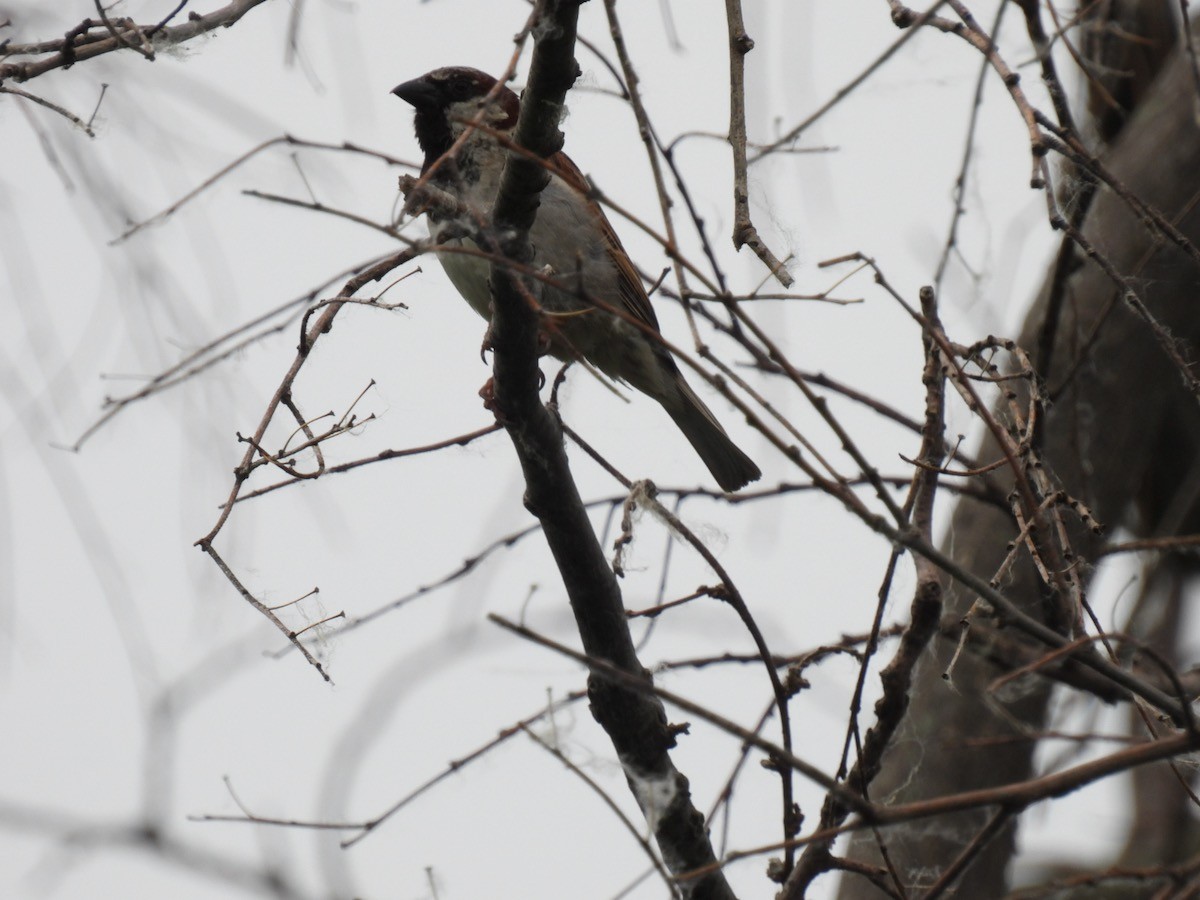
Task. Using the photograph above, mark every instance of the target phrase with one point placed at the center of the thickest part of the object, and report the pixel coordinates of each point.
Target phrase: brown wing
(633, 295)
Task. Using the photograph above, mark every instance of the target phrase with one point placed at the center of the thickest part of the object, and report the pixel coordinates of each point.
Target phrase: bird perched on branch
(597, 309)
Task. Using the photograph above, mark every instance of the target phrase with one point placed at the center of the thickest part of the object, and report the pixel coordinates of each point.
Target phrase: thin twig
(744, 232)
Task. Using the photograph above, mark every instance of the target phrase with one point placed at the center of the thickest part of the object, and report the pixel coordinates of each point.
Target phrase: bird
(572, 240)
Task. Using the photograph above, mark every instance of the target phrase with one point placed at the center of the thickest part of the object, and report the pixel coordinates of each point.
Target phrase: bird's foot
(486, 347)
(543, 343)
(490, 403)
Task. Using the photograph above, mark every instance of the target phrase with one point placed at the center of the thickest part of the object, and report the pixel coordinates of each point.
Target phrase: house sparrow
(572, 240)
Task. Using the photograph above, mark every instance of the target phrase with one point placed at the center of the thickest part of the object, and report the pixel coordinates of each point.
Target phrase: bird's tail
(732, 468)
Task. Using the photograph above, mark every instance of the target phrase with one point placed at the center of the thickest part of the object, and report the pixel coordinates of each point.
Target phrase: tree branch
(636, 722)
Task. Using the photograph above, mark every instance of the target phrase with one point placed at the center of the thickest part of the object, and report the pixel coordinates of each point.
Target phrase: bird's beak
(418, 93)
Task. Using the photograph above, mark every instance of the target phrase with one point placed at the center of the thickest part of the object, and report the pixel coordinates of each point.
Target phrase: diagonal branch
(635, 721)
(81, 43)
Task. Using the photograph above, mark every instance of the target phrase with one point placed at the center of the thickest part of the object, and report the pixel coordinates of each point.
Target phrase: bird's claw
(486, 347)
(488, 395)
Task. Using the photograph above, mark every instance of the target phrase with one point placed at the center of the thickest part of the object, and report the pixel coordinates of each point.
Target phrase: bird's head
(447, 99)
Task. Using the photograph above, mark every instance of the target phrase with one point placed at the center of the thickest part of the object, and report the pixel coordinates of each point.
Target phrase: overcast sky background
(105, 604)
